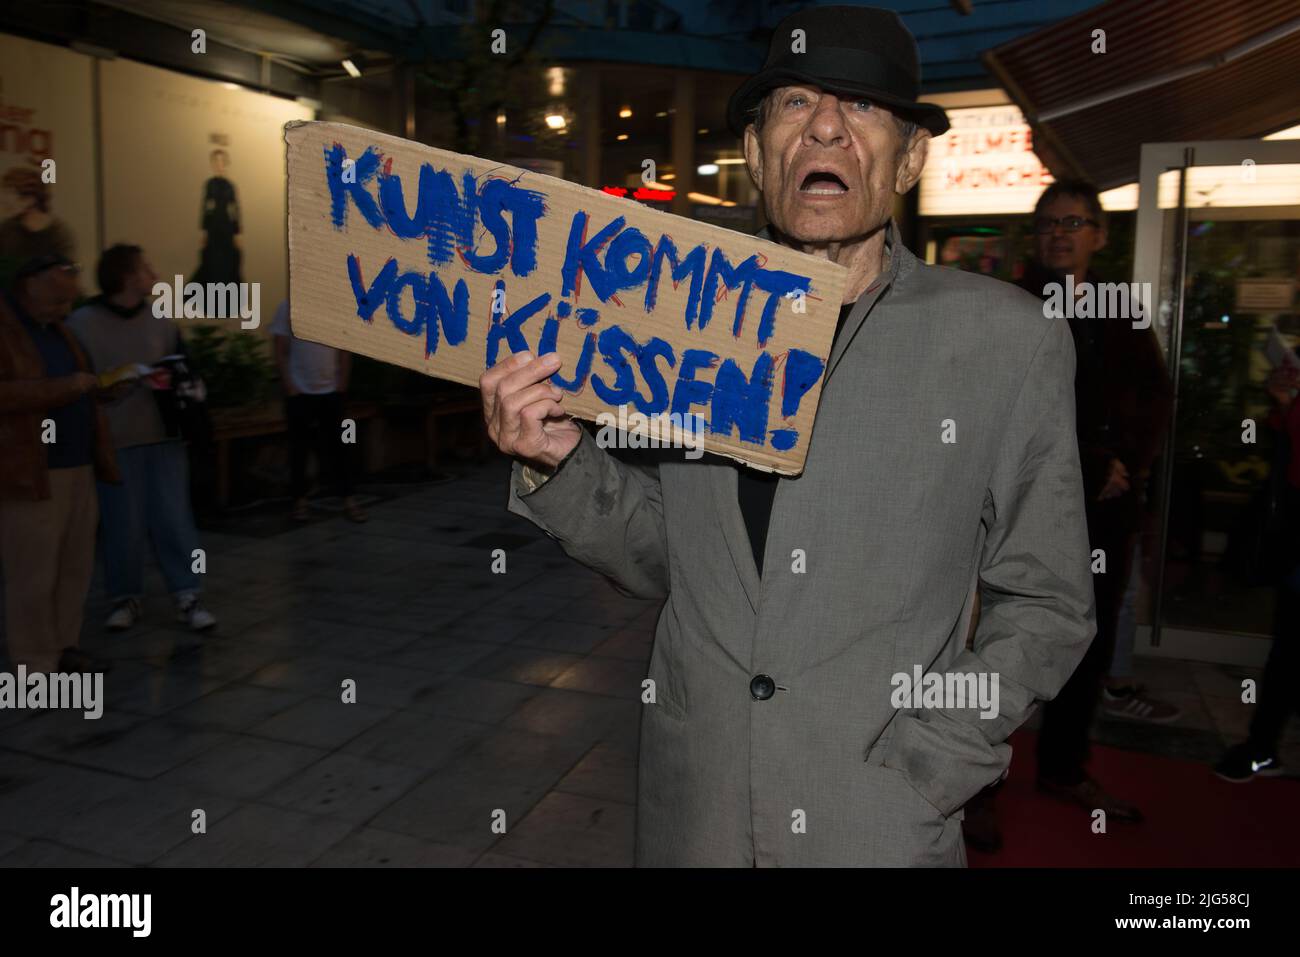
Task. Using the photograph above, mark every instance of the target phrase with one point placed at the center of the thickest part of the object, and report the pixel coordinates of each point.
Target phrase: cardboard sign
(448, 264)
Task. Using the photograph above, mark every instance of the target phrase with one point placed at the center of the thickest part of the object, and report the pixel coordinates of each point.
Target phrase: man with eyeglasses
(56, 443)
(1122, 397)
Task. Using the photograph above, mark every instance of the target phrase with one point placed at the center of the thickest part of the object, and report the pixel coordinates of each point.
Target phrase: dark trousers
(1067, 718)
(1278, 694)
(316, 420)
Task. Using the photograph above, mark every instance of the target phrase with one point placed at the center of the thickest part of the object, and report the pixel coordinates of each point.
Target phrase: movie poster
(47, 154)
(194, 173)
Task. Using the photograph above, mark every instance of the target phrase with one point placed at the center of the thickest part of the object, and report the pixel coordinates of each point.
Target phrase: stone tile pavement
(476, 694)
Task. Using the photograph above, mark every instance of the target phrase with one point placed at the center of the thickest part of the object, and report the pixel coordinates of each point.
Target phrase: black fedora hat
(846, 50)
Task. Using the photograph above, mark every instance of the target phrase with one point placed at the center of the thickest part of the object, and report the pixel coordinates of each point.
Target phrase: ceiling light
(707, 169)
(555, 121)
(351, 68)
(625, 113)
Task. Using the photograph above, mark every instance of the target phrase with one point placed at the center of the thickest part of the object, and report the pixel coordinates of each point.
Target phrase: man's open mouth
(823, 184)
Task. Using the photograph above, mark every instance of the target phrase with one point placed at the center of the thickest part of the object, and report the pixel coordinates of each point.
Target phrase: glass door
(1218, 245)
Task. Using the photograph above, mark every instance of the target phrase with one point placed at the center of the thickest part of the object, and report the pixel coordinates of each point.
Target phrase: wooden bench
(229, 425)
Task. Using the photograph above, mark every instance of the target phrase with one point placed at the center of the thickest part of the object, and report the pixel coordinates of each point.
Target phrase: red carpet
(1193, 819)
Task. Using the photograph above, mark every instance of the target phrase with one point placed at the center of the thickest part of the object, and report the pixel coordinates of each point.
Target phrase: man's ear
(754, 157)
(909, 170)
(1101, 239)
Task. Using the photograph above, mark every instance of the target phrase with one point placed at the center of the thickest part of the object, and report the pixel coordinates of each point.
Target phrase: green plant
(233, 365)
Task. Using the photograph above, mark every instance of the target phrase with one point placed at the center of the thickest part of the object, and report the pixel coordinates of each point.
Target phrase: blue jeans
(153, 499)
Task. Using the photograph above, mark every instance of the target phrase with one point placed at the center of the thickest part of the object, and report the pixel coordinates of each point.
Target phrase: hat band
(840, 65)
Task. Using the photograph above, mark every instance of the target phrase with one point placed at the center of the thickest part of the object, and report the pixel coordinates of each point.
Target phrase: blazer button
(762, 687)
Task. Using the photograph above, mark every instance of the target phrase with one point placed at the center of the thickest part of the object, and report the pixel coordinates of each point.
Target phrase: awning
(1173, 70)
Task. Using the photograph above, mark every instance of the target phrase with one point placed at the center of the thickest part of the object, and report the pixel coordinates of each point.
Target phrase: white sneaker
(124, 614)
(190, 612)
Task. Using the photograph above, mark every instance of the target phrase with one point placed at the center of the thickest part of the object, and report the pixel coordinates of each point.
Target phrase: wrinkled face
(49, 295)
(1068, 252)
(829, 166)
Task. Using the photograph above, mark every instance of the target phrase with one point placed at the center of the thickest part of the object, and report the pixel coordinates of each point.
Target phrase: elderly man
(55, 443)
(943, 455)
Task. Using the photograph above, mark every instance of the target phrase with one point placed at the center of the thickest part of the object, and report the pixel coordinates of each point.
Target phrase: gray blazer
(896, 527)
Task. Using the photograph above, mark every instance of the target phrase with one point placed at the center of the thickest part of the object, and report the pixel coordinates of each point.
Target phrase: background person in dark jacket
(55, 443)
(1122, 402)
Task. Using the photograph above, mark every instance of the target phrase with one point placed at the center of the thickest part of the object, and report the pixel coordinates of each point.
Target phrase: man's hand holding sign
(525, 417)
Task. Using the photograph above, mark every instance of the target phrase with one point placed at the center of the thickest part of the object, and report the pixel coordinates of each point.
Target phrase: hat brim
(931, 116)
(38, 264)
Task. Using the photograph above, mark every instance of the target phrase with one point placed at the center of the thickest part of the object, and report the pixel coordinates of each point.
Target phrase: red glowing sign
(646, 195)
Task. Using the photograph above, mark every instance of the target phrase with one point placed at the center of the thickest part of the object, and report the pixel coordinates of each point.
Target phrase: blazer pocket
(922, 802)
(919, 806)
(668, 707)
(668, 693)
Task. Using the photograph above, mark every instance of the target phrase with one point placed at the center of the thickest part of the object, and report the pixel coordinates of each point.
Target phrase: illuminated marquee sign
(984, 164)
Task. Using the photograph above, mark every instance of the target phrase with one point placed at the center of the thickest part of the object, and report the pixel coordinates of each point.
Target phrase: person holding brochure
(119, 328)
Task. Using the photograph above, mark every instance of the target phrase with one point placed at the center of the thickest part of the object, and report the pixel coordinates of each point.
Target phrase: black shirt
(757, 490)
